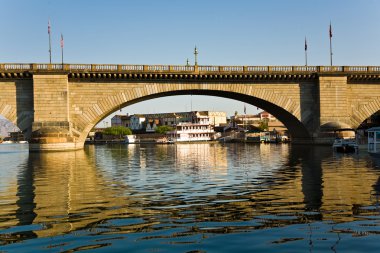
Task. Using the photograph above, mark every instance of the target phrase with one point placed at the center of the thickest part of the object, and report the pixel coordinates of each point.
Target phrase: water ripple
(188, 198)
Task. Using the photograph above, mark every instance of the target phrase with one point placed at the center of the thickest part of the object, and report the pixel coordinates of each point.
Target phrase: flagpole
(49, 40)
(305, 57)
(331, 54)
(62, 48)
(50, 48)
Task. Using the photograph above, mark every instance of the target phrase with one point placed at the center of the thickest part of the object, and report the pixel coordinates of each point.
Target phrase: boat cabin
(374, 141)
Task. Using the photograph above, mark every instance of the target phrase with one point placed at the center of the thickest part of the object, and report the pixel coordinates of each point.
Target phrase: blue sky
(239, 32)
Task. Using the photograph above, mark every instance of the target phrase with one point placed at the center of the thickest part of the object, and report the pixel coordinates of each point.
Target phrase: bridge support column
(333, 107)
(52, 129)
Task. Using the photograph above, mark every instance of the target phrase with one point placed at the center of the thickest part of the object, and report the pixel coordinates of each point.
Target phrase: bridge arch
(16, 103)
(8, 112)
(278, 100)
(365, 111)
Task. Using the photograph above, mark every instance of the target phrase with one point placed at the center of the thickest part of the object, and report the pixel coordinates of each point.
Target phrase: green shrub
(117, 131)
(163, 129)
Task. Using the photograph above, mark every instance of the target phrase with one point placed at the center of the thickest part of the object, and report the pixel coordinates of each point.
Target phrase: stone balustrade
(191, 69)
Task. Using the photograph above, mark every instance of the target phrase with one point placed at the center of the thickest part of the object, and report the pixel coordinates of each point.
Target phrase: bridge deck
(189, 72)
(117, 68)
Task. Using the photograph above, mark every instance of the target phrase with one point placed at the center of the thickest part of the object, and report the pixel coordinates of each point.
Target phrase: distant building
(266, 115)
(121, 120)
(137, 122)
(151, 125)
(170, 119)
(217, 118)
(246, 119)
(249, 121)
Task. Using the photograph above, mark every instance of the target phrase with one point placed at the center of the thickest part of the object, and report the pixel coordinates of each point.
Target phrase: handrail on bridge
(117, 68)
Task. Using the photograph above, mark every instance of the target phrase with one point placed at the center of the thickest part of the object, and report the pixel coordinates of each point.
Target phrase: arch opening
(296, 128)
(9, 131)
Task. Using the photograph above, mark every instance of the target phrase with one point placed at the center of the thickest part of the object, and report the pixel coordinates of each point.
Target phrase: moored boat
(130, 139)
(345, 141)
(345, 145)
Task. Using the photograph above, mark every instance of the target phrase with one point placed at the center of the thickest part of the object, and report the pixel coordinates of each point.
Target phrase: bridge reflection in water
(176, 191)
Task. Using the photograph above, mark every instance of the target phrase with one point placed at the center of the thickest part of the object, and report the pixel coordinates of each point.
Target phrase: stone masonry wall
(50, 98)
(16, 102)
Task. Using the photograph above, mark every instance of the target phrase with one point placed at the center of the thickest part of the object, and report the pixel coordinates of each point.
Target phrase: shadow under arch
(296, 128)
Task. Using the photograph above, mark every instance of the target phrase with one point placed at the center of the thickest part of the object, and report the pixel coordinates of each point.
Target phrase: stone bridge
(56, 105)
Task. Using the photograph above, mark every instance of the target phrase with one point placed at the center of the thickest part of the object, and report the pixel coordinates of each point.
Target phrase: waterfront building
(137, 122)
(121, 120)
(169, 119)
(255, 120)
(246, 120)
(266, 116)
(151, 125)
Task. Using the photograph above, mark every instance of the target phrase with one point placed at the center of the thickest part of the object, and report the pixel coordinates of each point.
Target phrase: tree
(263, 125)
(118, 131)
(163, 129)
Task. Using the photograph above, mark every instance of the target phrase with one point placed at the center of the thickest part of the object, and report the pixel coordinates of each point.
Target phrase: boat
(374, 141)
(345, 142)
(190, 132)
(7, 142)
(130, 139)
(345, 145)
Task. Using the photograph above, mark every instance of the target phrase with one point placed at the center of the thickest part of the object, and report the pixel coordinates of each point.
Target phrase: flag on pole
(62, 41)
(305, 44)
(330, 31)
(305, 51)
(49, 31)
(330, 34)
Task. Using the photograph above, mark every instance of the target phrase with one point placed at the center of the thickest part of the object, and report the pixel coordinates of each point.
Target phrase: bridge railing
(44, 67)
(15, 66)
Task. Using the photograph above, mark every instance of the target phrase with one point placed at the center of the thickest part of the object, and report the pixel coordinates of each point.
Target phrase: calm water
(189, 198)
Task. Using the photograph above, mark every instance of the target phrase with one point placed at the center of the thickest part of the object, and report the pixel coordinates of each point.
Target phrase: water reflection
(172, 192)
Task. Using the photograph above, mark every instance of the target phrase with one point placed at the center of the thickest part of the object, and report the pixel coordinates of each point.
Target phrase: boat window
(370, 135)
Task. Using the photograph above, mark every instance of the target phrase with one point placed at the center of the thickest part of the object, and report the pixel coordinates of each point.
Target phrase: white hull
(345, 145)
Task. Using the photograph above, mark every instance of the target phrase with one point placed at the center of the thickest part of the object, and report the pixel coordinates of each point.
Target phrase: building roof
(138, 115)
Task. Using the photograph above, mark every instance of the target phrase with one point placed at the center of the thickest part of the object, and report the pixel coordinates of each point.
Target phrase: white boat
(345, 145)
(7, 142)
(187, 132)
(130, 139)
(374, 141)
(345, 141)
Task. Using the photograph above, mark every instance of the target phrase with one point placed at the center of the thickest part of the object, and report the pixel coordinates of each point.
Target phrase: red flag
(61, 40)
(330, 31)
(49, 26)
